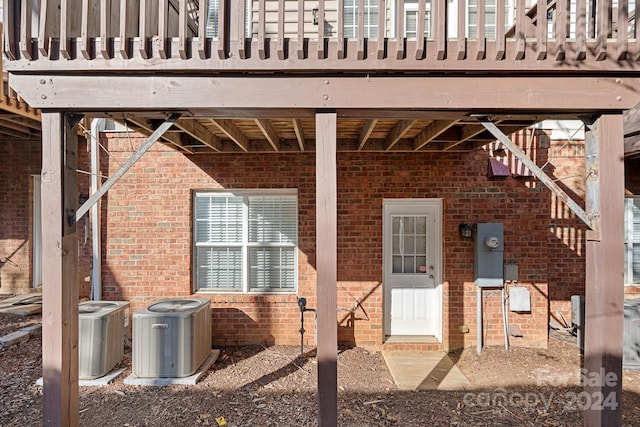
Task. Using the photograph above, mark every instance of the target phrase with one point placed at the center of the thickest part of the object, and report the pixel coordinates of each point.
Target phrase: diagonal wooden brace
(156, 135)
(591, 219)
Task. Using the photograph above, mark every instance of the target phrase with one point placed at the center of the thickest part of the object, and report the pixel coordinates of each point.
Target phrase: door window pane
(409, 244)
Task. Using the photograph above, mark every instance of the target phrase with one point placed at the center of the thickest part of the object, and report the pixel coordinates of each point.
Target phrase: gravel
(276, 386)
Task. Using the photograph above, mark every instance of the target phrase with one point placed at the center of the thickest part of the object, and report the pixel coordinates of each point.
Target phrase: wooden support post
(59, 271)
(604, 297)
(326, 267)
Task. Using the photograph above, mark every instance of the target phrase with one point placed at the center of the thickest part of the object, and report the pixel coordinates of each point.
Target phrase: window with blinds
(632, 241)
(370, 18)
(212, 30)
(246, 241)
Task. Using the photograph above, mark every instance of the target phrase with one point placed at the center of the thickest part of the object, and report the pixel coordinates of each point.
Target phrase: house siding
(147, 245)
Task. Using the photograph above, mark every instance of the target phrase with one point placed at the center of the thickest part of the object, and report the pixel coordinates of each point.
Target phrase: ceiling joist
(365, 132)
(200, 133)
(148, 128)
(297, 128)
(269, 132)
(431, 132)
(233, 132)
(397, 133)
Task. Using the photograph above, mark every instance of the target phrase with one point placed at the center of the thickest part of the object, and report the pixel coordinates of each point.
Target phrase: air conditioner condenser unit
(171, 338)
(102, 326)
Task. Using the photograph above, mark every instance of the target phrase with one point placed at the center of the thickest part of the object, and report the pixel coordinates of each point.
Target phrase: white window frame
(629, 241)
(491, 7)
(245, 245)
(212, 30)
(351, 31)
(412, 6)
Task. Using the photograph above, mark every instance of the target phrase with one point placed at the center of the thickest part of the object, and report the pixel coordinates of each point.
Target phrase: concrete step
(412, 343)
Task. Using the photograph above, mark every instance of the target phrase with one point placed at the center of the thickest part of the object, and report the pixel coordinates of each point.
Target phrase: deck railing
(320, 34)
(10, 101)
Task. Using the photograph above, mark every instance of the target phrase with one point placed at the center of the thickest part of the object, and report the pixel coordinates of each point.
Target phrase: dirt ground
(275, 386)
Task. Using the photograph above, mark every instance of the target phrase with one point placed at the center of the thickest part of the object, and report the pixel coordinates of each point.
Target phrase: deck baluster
(361, 36)
(321, 35)
(163, 28)
(300, 31)
(521, 30)
(581, 30)
(462, 30)
(542, 30)
(281, 38)
(604, 28)
(400, 31)
(262, 29)
(381, 29)
(25, 28)
(441, 24)
(560, 29)
(622, 35)
(481, 40)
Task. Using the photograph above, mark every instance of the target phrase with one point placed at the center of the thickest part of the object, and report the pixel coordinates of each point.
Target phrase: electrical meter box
(488, 258)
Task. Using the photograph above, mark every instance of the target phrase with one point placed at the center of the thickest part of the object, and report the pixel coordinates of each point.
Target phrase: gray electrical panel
(577, 317)
(488, 250)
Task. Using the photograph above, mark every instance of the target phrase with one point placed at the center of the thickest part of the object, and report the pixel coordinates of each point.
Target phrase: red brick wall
(18, 162)
(147, 237)
(566, 232)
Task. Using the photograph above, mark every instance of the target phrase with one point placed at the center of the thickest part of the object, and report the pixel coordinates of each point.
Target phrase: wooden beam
(431, 132)
(149, 128)
(269, 132)
(604, 296)
(297, 128)
(233, 132)
(113, 179)
(326, 267)
(365, 132)
(10, 129)
(200, 133)
(59, 273)
(468, 132)
(397, 133)
(539, 173)
(122, 92)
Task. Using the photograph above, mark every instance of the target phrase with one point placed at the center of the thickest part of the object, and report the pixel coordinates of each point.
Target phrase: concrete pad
(190, 380)
(96, 382)
(425, 370)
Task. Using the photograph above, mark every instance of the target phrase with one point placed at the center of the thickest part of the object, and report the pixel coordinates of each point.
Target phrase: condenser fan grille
(174, 306)
(94, 307)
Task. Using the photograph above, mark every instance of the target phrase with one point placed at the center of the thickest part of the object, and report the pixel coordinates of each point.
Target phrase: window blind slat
(219, 268)
(272, 268)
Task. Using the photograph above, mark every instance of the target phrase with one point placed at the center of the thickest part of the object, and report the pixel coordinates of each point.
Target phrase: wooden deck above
(18, 121)
(399, 131)
(419, 36)
(249, 75)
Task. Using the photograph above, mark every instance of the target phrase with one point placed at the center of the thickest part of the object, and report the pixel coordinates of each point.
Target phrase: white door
(412, 266)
